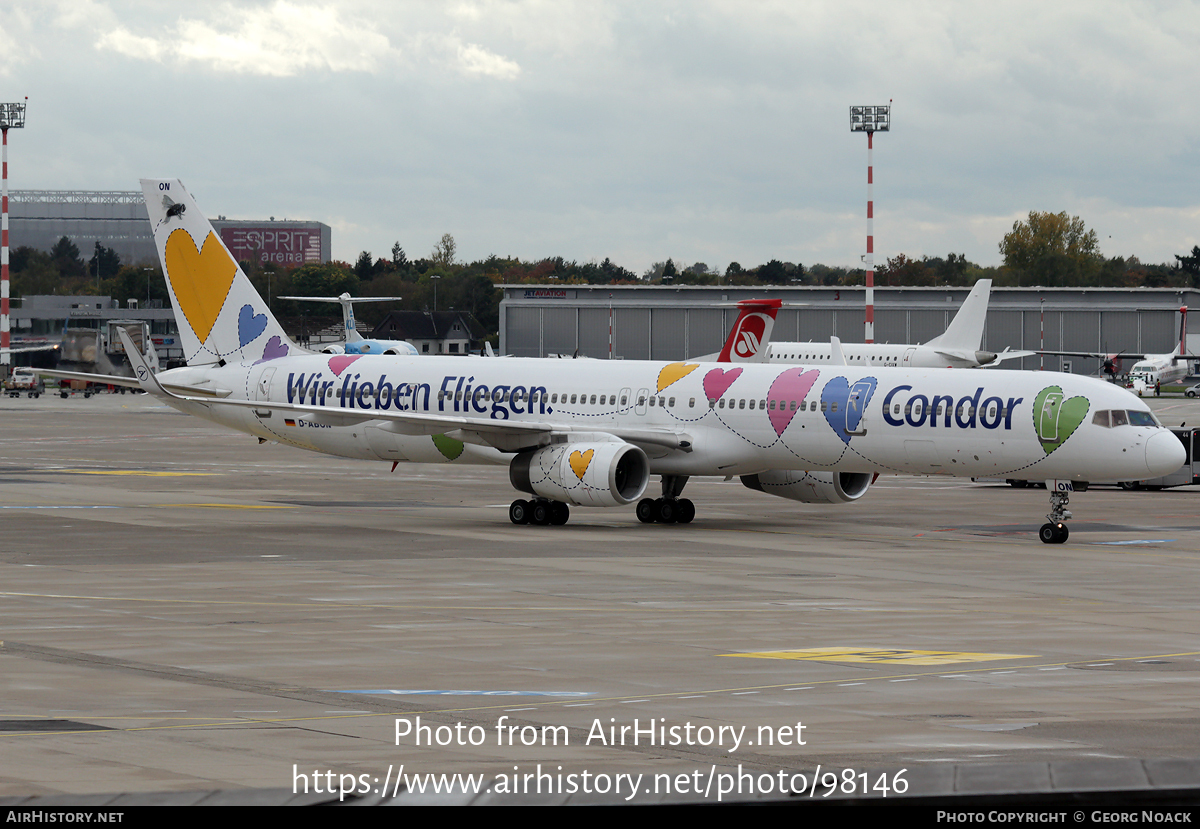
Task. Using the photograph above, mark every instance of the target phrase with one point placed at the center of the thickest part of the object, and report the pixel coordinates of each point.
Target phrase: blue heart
(851, 402)
(250, 325)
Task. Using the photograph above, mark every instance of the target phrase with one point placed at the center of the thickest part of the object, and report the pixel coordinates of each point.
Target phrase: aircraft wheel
(667, 511)
(646, 511)
(1053, 533)
(559, 513)
(1128, 485)
(518, 512)
(539, 513)
(687, 511)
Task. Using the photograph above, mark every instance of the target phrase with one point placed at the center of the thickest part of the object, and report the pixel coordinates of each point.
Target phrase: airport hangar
(679, 322)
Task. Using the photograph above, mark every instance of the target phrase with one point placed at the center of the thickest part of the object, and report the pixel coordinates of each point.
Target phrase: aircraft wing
(505, 435)
(1124, 355)
(984, 359)
(127, 382)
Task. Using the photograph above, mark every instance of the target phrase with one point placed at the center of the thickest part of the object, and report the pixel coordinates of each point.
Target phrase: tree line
(1047, 249)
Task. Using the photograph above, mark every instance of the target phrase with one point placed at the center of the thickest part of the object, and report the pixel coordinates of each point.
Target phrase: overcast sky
(704, 131)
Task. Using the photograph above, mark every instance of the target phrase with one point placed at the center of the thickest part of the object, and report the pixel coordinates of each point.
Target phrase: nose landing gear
(1055, 531)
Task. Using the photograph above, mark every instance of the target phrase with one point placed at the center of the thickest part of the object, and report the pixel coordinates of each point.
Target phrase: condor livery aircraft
(957, 347)
(592, 433)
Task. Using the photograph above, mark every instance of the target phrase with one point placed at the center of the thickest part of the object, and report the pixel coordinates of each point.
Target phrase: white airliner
(957, 347)
(1151, 370)
(354, 342)
(591, 433)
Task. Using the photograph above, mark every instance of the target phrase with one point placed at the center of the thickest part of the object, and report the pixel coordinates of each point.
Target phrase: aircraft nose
(1164, 454)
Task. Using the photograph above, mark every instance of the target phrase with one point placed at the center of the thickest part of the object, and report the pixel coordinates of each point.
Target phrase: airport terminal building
(681, 322)
(117, 219)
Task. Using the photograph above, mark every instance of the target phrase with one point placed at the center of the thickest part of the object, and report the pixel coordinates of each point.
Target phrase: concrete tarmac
(183, 609)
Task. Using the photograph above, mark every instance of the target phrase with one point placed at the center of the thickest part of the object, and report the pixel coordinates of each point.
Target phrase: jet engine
(586, 474)
(332, 348)
(812, 487)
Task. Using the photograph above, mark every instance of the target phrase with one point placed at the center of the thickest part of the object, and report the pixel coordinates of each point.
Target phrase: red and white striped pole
(5, 345)
(869, 333)
(12, 116)
(870, 119)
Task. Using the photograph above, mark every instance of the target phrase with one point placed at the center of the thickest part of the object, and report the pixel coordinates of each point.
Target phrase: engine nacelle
(331, 349)
(812, 487)
(587, 474)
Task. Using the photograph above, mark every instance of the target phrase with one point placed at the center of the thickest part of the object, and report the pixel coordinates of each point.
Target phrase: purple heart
(793, 384)
(250, 325)
(274, 348)
(718, 381)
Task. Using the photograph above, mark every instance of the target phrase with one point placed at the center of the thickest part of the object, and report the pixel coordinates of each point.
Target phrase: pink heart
(793, 384)
(338, 364)
(718, 381)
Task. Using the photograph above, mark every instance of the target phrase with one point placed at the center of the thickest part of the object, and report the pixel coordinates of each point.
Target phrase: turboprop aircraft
(1151, 370)
(591, 433)
(957, 347)
(354, 342)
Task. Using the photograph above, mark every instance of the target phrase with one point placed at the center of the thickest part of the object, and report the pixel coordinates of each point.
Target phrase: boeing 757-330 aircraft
(593, 432)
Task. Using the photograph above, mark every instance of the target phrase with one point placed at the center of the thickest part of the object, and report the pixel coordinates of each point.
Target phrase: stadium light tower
(870, 120)
(12, 116)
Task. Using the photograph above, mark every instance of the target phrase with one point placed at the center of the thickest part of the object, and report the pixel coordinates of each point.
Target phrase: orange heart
(580, 462)
(673, 372)
(200, 279)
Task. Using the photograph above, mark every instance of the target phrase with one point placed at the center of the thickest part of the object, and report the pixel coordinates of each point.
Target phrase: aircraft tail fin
(965, 332)
(220, 315)
(751, 334)
(351, 333)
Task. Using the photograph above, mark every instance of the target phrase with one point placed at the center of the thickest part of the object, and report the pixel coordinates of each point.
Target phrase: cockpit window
(1110, 419)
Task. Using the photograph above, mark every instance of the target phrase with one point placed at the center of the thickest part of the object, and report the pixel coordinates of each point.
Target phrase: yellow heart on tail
(580, 461)
(199, 278)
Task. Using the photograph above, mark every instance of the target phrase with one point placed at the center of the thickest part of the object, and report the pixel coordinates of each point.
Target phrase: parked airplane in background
(592, 432)
(958, 347)
(354, 342)
(1152, 370)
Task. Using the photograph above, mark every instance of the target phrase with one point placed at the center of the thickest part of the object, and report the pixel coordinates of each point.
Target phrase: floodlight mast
(12, 116)
(870, 119)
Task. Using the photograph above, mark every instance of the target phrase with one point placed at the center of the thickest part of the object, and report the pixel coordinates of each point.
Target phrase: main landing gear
(1056, 532)
(669, 509)
(540, 511)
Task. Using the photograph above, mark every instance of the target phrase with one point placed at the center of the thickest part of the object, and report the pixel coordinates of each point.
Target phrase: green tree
(444, 250)
(104, 262)
(65, 254)
(1053, 249)
(1190, 265)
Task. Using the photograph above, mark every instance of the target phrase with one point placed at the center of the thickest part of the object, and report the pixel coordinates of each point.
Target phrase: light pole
(870, 119)
(12, 116)
(432, 278)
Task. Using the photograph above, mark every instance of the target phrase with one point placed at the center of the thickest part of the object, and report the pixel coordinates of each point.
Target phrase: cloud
(278, 40)
(475, 60)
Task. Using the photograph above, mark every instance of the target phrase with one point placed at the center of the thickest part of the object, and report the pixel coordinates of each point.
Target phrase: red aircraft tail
(751, 332)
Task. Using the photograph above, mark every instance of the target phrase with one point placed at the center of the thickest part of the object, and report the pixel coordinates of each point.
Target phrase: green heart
(449, 447)
(1055, 419)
